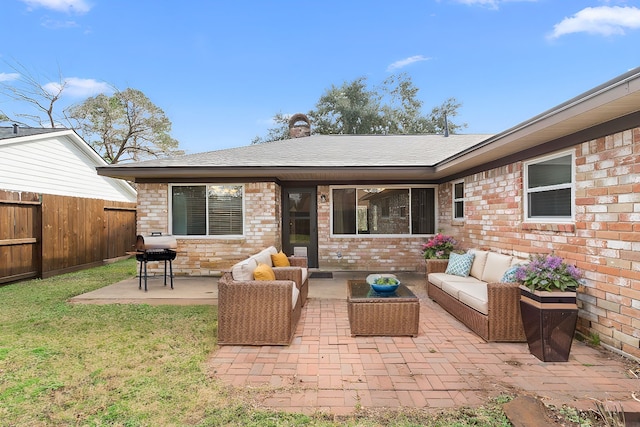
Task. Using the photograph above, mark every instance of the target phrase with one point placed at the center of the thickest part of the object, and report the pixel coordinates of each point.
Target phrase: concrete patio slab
(204, 290)
(186, 291)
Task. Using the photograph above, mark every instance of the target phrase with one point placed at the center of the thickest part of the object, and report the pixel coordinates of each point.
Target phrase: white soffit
(591, 110)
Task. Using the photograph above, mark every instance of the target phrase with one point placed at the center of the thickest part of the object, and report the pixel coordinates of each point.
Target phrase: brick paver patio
(327, 370)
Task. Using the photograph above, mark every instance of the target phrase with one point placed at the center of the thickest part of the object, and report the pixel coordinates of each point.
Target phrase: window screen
(201, 210)
(549, 188)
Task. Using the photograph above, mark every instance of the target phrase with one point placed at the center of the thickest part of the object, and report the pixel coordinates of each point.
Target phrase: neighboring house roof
(17, 132)
(610, 107)
(56, 161)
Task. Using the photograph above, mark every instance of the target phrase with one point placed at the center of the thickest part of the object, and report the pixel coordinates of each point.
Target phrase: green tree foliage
(277, 133)
(354, 108)
(124, 126)
(348, 109)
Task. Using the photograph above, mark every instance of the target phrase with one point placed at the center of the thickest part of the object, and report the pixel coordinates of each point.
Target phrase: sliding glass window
(383, 210)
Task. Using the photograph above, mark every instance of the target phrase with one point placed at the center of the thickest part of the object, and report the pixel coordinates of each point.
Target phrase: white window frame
(379, 236)
(454, 200)
(571, 186)
(206, 236)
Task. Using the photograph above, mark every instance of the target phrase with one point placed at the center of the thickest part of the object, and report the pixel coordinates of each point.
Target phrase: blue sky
(221, 69)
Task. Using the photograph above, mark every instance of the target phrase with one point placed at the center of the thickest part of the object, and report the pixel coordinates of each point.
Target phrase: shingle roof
(8, 132)
(330, 151)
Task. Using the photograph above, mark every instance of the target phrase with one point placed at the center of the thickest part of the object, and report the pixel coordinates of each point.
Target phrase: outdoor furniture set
(262, 312)
(478, 288)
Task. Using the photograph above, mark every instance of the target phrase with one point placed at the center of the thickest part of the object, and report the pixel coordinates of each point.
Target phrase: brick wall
(604, 241)
(209, 256)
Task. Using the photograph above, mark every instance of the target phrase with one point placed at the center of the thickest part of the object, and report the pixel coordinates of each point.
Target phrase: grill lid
(156, 242)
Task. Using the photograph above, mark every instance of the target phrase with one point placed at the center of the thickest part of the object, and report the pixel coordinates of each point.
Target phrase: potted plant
(436, 252)
(548, 306)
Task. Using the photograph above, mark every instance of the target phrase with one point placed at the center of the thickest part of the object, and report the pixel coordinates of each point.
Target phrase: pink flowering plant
(438, 247)
(549, 273)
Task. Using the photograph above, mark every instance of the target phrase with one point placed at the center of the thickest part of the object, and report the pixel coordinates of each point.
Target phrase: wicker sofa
(256, 312)
(481, 301)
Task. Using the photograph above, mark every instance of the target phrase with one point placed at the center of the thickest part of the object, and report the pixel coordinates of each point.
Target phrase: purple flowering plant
(438, 247)
(549, 273)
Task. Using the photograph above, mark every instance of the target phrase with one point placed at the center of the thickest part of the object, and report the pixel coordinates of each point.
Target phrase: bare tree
(29, 92)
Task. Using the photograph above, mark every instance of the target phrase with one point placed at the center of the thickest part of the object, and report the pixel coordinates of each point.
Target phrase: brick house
(567, 180)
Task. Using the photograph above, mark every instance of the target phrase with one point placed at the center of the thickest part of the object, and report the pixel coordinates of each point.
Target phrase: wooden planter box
(549, 320)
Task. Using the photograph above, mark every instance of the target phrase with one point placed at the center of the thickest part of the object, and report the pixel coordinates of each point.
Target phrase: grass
(67, 364)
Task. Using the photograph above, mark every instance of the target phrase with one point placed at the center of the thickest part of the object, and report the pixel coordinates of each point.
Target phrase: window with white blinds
(207, 210)
(549, 186)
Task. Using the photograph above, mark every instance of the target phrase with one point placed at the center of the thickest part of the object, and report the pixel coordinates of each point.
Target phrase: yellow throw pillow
(280, 260)
(264, 272)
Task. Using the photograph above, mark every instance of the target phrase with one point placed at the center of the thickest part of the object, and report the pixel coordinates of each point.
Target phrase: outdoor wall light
(323, 198)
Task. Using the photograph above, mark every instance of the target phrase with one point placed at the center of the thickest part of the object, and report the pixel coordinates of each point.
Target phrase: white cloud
(56, 25)
(493, 4)
(603, 20)
(79, 88)
(7, 77)
(69, 6)
(407, 61)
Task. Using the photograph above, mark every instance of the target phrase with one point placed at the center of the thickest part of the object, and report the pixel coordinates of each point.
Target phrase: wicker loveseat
(480, 300)
(258, 312)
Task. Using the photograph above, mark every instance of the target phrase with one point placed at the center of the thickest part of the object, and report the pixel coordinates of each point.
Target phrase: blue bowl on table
(384, 289)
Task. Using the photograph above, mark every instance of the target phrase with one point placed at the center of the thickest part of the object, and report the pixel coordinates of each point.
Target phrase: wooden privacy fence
(44, 235)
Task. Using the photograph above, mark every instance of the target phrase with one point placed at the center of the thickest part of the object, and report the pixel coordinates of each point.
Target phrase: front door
(299, 223)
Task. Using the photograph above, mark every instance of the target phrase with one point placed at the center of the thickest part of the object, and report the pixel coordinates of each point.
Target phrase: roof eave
(288, 173)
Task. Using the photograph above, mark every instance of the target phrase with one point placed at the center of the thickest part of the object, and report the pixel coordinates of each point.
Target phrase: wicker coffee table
(373, 314)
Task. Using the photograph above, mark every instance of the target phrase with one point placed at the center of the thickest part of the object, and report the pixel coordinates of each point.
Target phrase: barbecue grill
(155, 248)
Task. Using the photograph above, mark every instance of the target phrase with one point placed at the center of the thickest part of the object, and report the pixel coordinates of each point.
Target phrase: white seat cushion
(294, 296)
(243, 270)
(474, 296)
(305, 274)
(437, 279)
(451, 288)
(471, 294)
(469, 280)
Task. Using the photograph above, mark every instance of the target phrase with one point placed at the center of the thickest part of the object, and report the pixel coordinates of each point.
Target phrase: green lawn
(67, 364)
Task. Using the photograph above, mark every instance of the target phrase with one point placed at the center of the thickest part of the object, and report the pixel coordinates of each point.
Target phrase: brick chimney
(299, 126)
